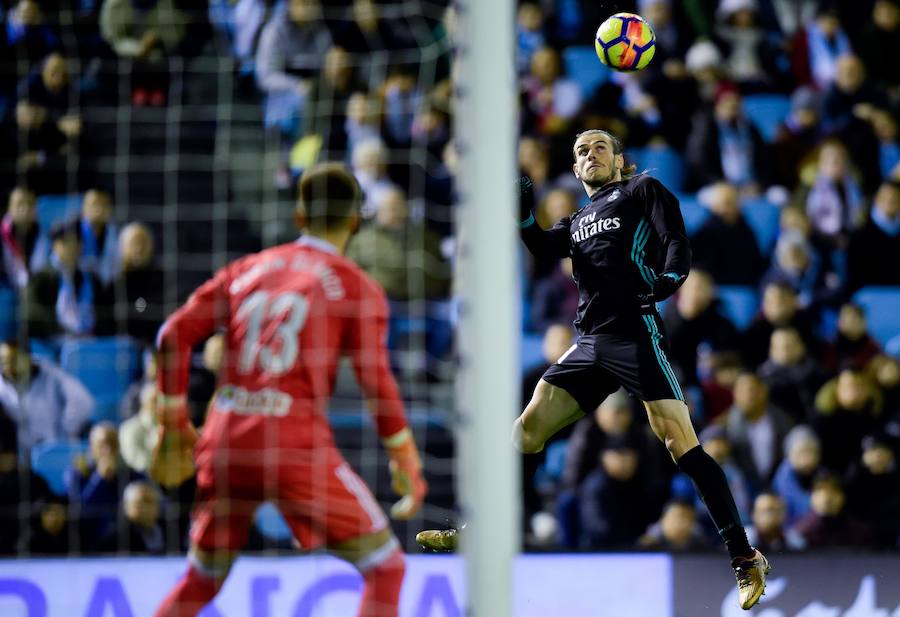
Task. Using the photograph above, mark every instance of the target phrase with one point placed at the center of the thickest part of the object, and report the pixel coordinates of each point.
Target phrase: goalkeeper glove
(526, 201)
(406, 474)
(172, 460)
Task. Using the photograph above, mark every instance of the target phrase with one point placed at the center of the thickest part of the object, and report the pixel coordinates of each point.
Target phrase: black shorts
(597, 364)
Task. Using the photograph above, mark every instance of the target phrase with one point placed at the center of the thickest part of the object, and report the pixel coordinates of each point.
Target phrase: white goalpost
(486, 114)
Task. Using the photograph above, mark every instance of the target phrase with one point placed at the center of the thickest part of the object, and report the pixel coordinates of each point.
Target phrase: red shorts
(322, 499)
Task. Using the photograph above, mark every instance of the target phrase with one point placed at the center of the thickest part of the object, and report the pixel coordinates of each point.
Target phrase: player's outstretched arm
(373, 372)
(553, 242)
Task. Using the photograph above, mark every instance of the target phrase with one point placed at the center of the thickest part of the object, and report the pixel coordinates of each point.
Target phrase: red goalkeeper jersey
(288, 314)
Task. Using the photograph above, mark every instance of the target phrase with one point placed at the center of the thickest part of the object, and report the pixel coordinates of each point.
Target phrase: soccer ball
(625, 42)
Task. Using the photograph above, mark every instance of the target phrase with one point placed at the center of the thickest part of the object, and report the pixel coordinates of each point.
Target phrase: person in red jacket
(289, 314)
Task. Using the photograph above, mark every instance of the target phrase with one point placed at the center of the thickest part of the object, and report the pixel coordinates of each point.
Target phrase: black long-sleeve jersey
(630, 232)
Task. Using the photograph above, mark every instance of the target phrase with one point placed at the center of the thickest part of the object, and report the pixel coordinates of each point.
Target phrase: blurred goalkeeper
(289, 313)
(629, 250)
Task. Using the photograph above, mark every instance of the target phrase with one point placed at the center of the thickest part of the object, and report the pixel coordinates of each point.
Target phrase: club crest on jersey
(615, 195)
(590, 226)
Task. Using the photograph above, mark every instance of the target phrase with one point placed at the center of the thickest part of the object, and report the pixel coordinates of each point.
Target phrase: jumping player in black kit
(629, 250)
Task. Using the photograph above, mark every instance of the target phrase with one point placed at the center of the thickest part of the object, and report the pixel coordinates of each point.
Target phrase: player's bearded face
(595, 161)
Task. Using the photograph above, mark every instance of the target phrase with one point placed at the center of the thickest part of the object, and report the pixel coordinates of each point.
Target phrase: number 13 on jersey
(276, 353)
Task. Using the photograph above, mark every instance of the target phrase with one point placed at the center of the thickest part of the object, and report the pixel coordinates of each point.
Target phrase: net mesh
(166, 163)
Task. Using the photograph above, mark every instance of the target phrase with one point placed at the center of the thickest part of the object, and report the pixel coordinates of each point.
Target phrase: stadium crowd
(780, 111)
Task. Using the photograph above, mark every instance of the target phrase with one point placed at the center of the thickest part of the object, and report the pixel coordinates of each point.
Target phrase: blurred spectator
(790, 16)
(670, 42)
(796, 264)
(885, 371)
(852, 347)
(716, 443)
(431, 127)
(326, 103)
(614, 503)
(147, 32)
(847, 409)
(99, 236)
(369, 163)
(240, 23)
(553, 99)
(49, 529)
(35, 150)
(874, 490)
(46, 403)
(142, 533)
(880, 39)
(291, 48)
(722, 369)
(798, 135)
(368, 30)
(833, 199)
(63, 298)
(791, 373)
(529, 34)
(780, 309)
(25, 37)
(204, 378)
(677, 531)
(828, 524)
(880, 236)
(886, 148)
(362, 123)
(756, 429)
(139, 287)
(613, 418)
(849, 97)
(19, 487)
(750, 53)
(692, 319)
(132, 400)
(703, 62)
(724, 145)
(384, 250)
(402, 97)
(534, 162)
(556, 341)
(794, 476)
(726, 232)
(555, 298)
(25, 246)
(139, 434)
(768, 532)
(825, 43)
(96, 486)
(48, 86)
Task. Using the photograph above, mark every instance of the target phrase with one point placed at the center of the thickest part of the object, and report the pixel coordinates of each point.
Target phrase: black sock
(713, 487)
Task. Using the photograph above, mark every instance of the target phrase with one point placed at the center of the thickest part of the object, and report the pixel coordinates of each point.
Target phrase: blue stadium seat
(531, 352)
(767, 112)
(664, 164)
(739, 304)
(582, 66)
(106, 367)
(763, 217)
(50, 461)
(882, 306)
(693, 213)
(271, 523)
(551, 470)
(54, 208)
(41, 348)
(9, 308)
